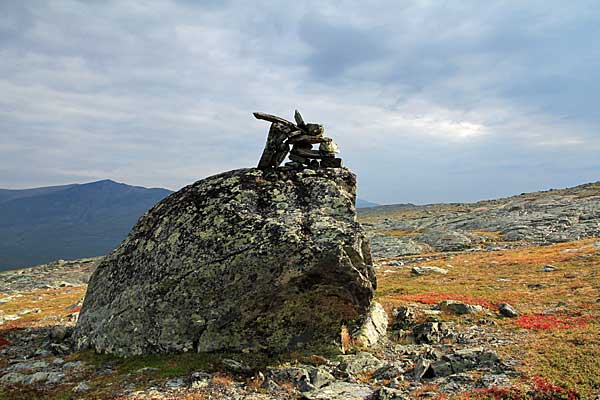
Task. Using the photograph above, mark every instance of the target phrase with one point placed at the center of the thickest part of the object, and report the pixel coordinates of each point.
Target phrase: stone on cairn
(301, 137)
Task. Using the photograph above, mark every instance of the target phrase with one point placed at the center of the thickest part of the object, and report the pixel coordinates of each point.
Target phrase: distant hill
(71, 221)
(360, 203)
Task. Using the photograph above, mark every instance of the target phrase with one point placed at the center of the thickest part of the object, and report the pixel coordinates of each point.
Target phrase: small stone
(59, 349)
(14, 378)
(329, 146)
(374, 326)
(315, 129)
(536, 286)
(341, 391)
(386, 393)
(299, 159)
(200, 380)
(548, 268)
(270, 385)
(236, 366)
(73, 365)
(58, 333)
(81, 387)
(294, 164)
(297, 376)
(146, 370)
(359, 362)
(320, 376)
(597, 244)
(428, 332)
(458, 307)
(175, 383)
(421, 368)
(428, 270)
(299, 120)
(331, 163)
(507, 310)
(404, 317)
(34, 365)
(389, 371)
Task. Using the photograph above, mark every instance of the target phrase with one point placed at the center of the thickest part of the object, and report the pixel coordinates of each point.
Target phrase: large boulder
(242, 261)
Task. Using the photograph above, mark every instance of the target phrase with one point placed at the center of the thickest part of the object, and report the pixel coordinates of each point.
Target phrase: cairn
(297, 140)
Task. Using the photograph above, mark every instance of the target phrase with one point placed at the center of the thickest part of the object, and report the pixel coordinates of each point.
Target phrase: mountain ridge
(69, 221)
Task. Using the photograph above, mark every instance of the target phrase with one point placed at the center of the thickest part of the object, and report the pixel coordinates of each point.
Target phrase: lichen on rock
(245, 260)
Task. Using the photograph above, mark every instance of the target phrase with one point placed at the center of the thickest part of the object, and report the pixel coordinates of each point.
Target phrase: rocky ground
(512, 313)
(553, 216)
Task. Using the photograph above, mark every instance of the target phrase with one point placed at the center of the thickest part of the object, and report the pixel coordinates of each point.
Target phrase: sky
(429, 101)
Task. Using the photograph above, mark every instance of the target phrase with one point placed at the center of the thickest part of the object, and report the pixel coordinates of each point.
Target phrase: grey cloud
(429, 102)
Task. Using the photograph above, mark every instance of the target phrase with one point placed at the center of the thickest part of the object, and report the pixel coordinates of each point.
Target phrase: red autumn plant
(434, 298)
(544, 390)
(4, 342)
(540, 389)
(538, 322)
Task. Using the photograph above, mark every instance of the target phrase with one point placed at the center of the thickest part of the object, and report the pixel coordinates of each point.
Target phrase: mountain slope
(71, 221)
(360, 203)
(552, 216)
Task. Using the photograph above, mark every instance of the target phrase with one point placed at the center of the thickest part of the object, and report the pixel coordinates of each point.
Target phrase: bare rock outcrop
(247, 260)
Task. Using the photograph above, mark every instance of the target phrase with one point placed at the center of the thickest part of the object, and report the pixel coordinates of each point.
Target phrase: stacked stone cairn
(297, 140)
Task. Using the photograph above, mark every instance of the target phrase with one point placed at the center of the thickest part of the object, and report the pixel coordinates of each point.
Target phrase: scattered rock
(463, 360)
(341, 391)
(548, 268)
(428, 270)
(536, 286)
(386, 393)
(175, 383)
(374, 327)
(458, 307)
(320, 376)
(297, 376)
(16, 378)
(507, 310)
(58, 333)
(429, 332)
(389, 371)
(446, 239)
(359, 362)
(73, 365)
(236, 366)
(32, 365)
(404, 317)
(422, 368)
(81, 387)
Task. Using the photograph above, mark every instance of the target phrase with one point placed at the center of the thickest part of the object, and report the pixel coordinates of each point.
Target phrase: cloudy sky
(429, 101)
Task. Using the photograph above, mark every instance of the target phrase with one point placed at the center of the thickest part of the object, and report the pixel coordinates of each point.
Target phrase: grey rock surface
(245, 260)
(428, 270)
(341, 391)
(507, 310)
(538, 218)
(374, 326)
(458, 307)
(360, 362)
